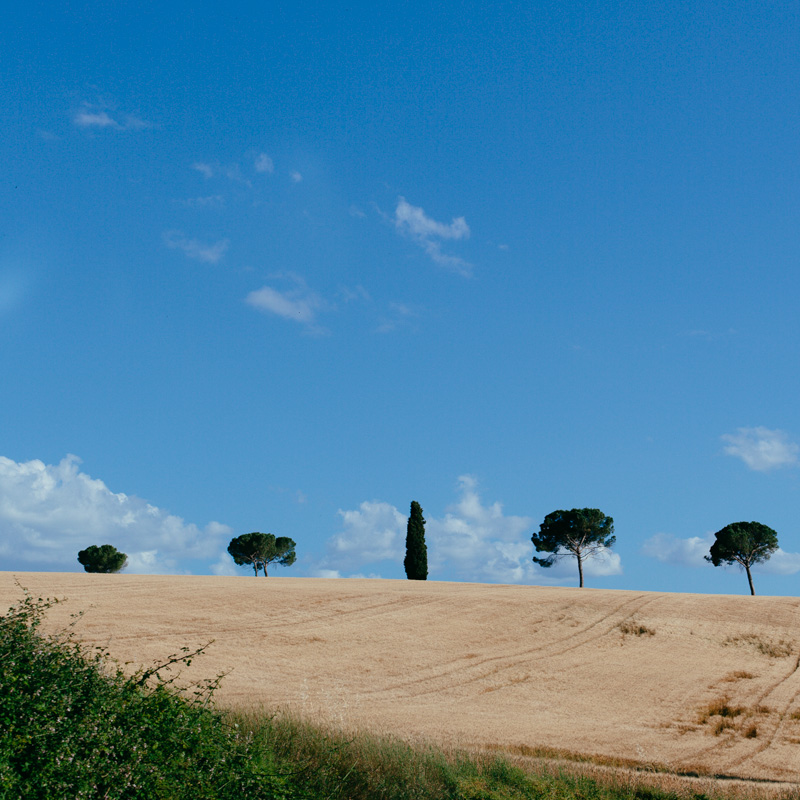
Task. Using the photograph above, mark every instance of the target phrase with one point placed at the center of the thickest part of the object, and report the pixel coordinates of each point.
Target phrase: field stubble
(655, 685)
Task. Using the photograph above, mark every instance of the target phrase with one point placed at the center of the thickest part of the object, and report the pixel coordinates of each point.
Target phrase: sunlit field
(668, 683)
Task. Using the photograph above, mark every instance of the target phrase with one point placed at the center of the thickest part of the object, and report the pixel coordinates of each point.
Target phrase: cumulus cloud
(297, 303)
(762, 449)
(263, 164)
(374, 532)
(670, 549)
(50, 512)
(781, 563)
(691, 552)
(192, 248)
(428, 234)
(472, 542)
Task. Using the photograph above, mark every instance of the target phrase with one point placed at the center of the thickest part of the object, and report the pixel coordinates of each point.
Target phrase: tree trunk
(580, 570)
(750, 579)
(265, 570)
(255, 568)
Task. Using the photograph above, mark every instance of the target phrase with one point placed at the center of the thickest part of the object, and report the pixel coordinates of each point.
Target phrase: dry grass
(630, 627)
(472, 666)
(738, 675)
(781, 648)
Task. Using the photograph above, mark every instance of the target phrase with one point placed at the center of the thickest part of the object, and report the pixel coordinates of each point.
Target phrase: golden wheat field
(682, 681)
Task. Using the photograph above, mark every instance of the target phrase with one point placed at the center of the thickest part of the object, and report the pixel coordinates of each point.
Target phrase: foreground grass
(74, 725)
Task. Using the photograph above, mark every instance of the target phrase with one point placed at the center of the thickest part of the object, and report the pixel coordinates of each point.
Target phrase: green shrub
(72, 726)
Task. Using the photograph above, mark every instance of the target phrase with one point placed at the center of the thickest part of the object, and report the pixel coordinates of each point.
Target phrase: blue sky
(289, 269)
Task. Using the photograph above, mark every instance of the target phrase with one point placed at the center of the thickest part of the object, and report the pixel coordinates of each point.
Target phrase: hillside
(689, 681)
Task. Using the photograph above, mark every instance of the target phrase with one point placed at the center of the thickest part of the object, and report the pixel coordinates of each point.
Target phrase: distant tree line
(580, 533)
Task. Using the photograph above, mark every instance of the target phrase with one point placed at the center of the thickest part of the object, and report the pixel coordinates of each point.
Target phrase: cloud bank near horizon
(50, 512)
(472, 542)
(691, 552)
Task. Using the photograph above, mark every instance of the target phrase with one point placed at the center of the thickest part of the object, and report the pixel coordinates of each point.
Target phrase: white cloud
(136, 124)
(479, 543)
(428, 234)
(781, 563)
(210, 201)
(94, 119)
(192, 248)
(373, 532)
(351, 293)
(50, 512)
(298, 303)
(473, 542)
(762, 449)
(669, 549)
(263, 163)
(691, 552)
(296, 177)
(414, 221)
(206, 170)
(230, 171)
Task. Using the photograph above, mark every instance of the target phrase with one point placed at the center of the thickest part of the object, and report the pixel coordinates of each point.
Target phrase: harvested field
(681, 682)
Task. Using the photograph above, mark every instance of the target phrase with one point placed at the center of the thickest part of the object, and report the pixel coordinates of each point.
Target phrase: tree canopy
(259, 549)
(745, 544)
(105, 558)
(416, 560)
(580, 533)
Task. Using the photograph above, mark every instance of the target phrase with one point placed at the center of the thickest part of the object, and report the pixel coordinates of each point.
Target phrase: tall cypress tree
(416, 560)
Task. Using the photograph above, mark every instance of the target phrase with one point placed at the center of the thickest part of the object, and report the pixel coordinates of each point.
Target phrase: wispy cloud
(298, 303)
(295, 176)
(263, 163)
(192, 248)
(429, 234)
(356, 212)
(89, 117)
(350, 294)
(94, 119)
(214, 169)
(762, 449)
(398, 315)
(209, 201)
(206, 170)
(50, 512)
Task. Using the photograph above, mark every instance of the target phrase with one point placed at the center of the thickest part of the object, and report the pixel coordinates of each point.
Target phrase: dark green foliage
(745, 544)
(416, 560)
(73, 726)
(105, 558)
(260, 549)
(581, 533)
